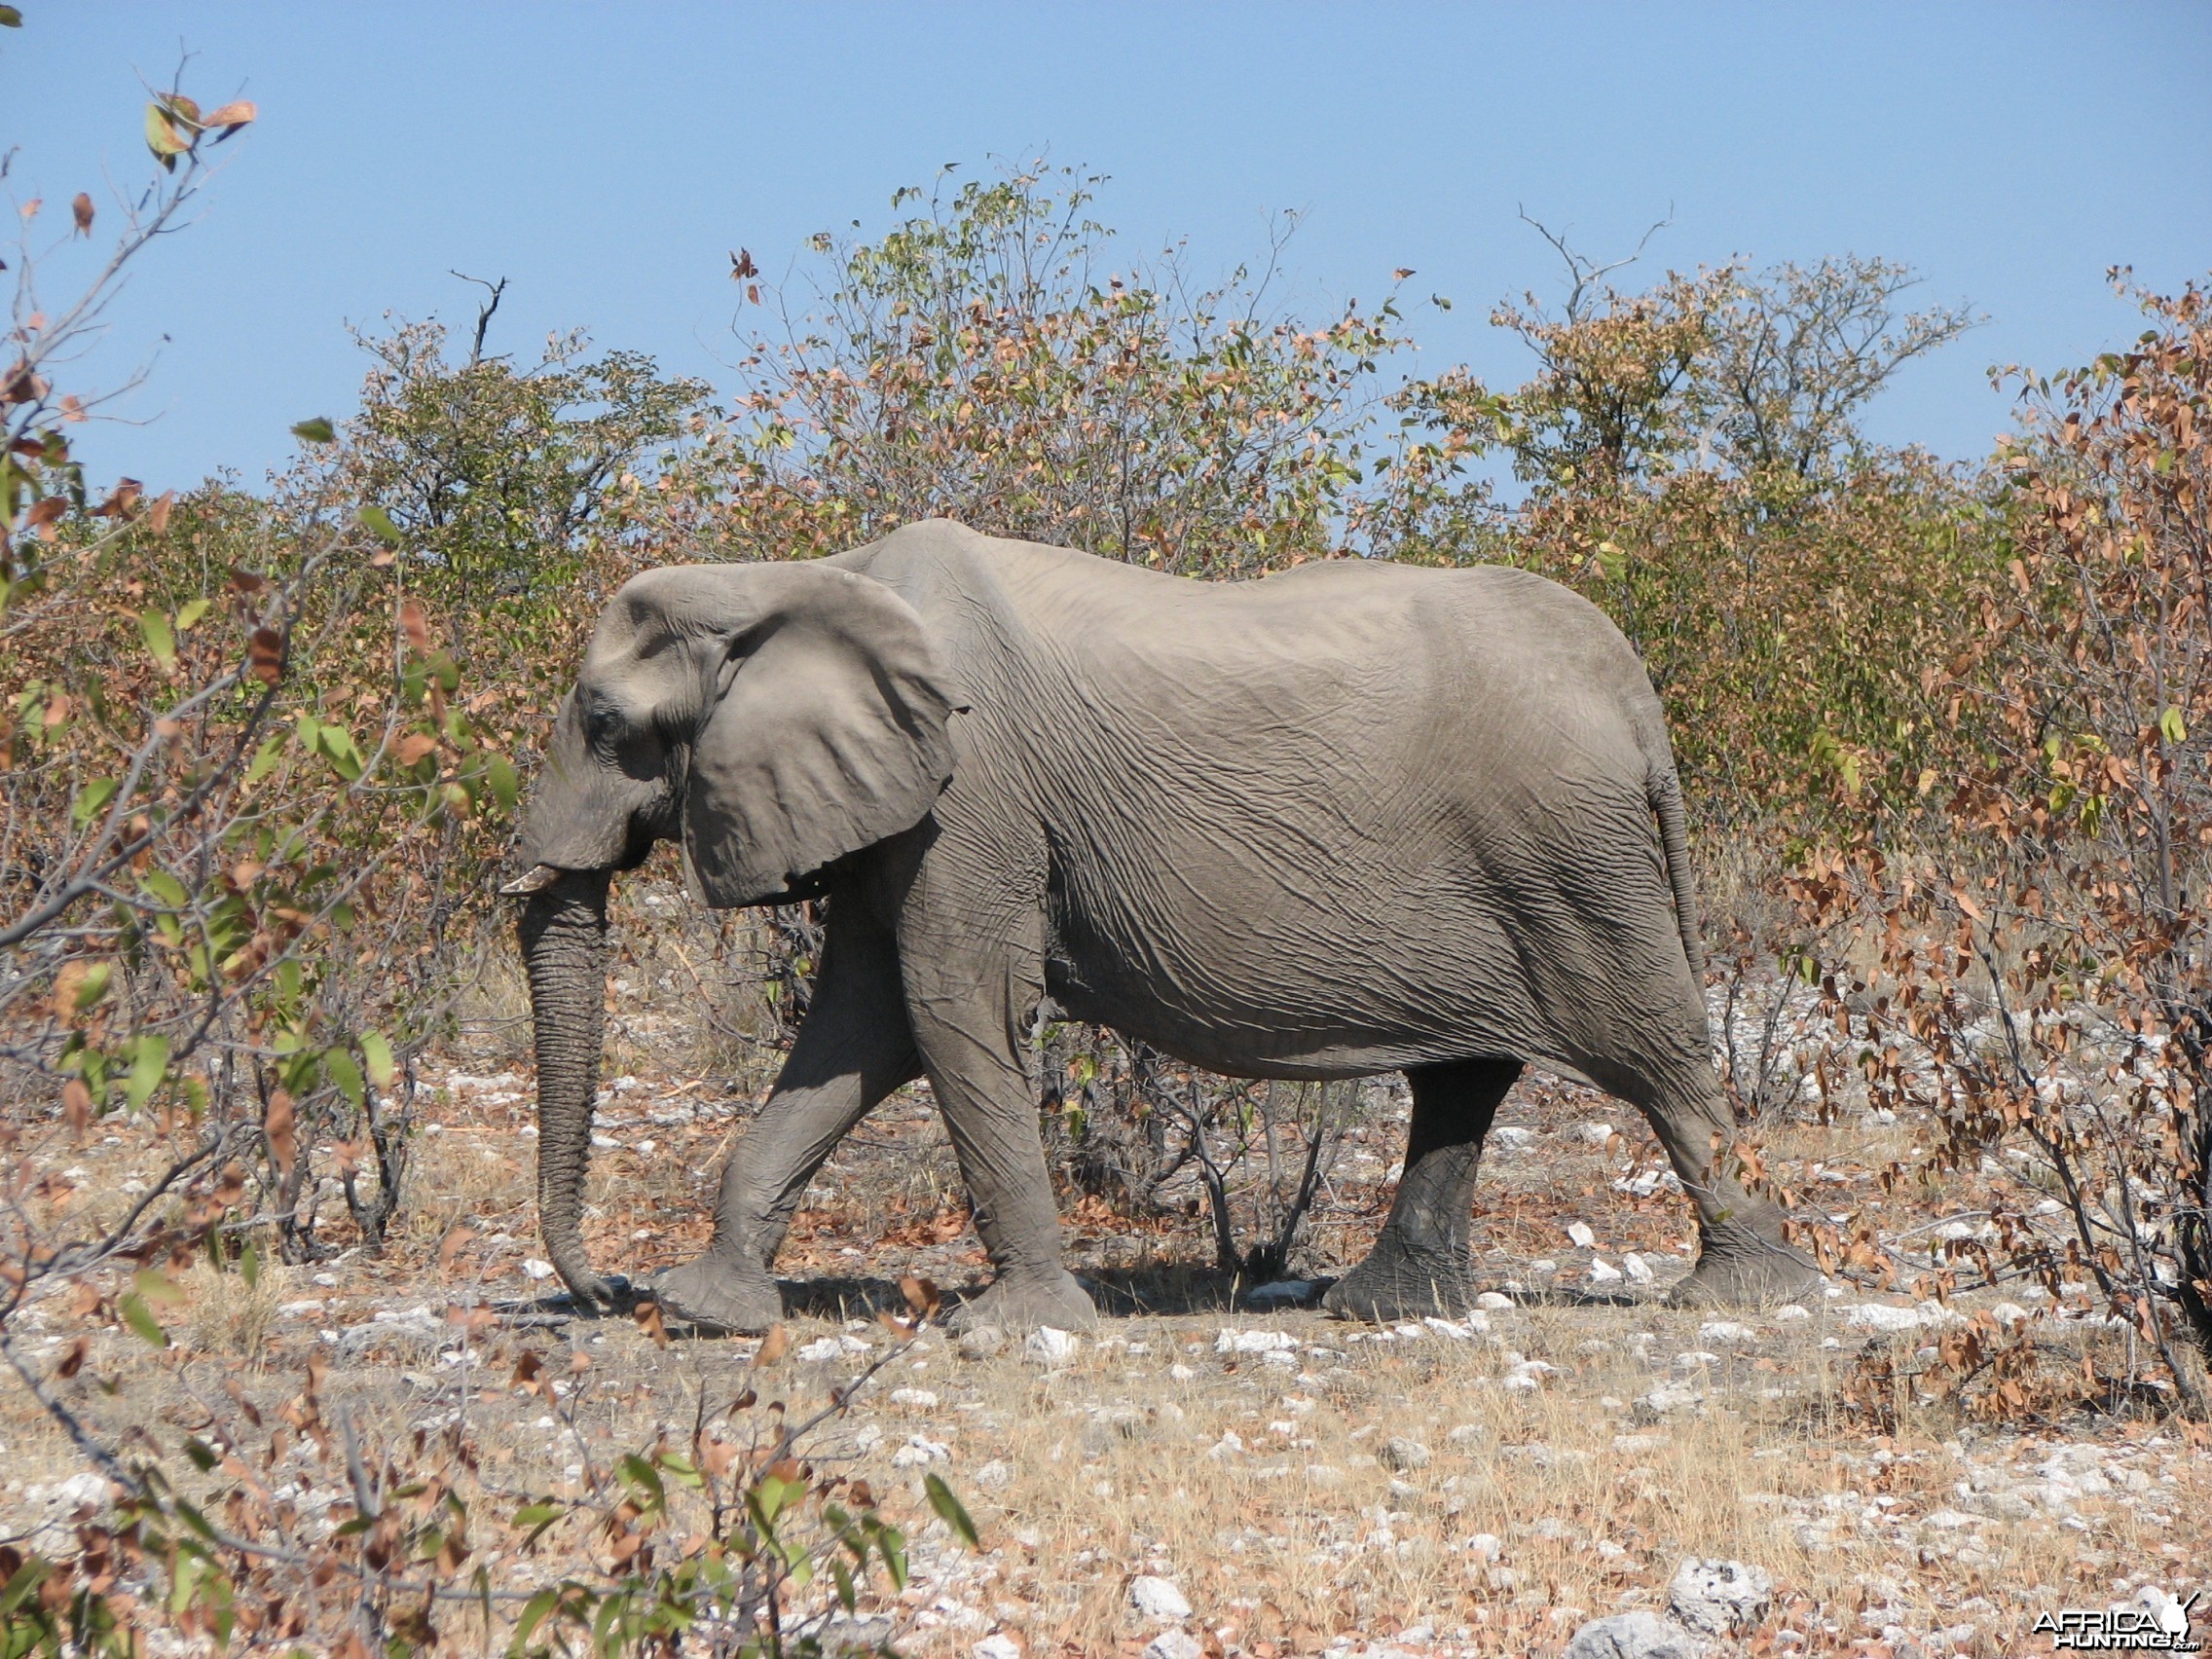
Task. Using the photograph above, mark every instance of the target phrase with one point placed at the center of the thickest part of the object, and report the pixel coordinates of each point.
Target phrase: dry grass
(1535, 1508)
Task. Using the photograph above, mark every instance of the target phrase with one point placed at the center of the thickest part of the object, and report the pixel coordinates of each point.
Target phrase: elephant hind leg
(1421, 1264)
(1742, 1258)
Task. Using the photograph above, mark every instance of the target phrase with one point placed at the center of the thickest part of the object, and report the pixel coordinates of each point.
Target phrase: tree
(979, 361)
(498, 478)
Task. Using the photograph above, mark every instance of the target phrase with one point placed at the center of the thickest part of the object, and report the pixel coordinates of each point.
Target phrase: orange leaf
(458, 1238)
(265, 655)
(773, 1347)
(233, 115)
(277, 1126)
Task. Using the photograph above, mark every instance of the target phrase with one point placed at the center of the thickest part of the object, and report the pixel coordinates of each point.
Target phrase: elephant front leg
(854, 1049)
(970, 1040)
(1421, 1264)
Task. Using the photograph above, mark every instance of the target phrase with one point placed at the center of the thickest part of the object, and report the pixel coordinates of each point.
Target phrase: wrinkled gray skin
(1354, 818)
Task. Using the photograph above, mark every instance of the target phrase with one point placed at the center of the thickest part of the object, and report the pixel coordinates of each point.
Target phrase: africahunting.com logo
(2163, 1629)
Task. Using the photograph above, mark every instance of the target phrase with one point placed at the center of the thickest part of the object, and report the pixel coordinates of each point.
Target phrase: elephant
(1349, 817)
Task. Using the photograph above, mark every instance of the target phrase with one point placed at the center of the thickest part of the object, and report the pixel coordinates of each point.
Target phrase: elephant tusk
(537, 881)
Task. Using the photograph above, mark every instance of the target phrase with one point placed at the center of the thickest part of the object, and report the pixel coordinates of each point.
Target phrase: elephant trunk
(563, 946)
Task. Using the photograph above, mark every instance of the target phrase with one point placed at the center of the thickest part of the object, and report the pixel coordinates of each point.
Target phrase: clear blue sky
(607, 158)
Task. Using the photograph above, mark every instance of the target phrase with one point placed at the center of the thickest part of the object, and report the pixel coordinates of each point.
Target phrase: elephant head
(775, 717)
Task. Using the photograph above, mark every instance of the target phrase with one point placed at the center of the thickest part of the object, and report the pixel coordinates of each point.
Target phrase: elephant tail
(1665, 788)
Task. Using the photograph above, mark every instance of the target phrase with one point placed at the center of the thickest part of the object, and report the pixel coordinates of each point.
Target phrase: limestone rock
(981, 1342)
(1048, 1345)
(1157, 1598)
(1403, 1454)
(1720, 1597)
(1639, 1634)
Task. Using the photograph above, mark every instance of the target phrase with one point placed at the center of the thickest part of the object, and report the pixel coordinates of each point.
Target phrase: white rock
(1637, 1267)
(1720, 1597)
(1173, 1645)
(1491, 1301)
(1726, 1333)
(1696, 1359)
(1526, 1375)
(919, 1452)
(1669, 1399)
(1155, 1598)
(1180, 1372)
(1792, 1314)
(1485, 1546)
(1580, 1233)
(1403, 1454)
(1882, 1316)
(1253, 1341)
(2010, 1314)
(531, 1266)
(1230, 1444)
(995, 1476)
(1049, 1346)
(1637, 1634)
(818, 1350)
(79, 1490)
(1511, 1138)
(921, 1399)
(997, 1646)
(1592, 1132)
(1467, 1434)
(1603, 1271)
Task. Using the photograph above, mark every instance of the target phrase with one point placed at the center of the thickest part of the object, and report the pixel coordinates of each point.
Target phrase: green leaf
(161, 136)
(537, 1517)
(149, 1063)
(156, 1286)
(190, 612)
(506, 786)
(533, 1615)
(140, 1318)
(949, 1510)
(164, 888)
(10, 19)
(202, 1454)
(93, 985)
(342, 1069)
(27, 1576)
(90, 799)
(376, 1053)
(249, 1267)
(2170, 722)
(315, 431)
(378, 523)
(160, 641)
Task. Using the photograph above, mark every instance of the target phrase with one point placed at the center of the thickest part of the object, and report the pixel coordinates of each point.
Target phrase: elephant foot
(1396, 1284)
(1018, 1302)
(1740, 1265)
(718, 1296)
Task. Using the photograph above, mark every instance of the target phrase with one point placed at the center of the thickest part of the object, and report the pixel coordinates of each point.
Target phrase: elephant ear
(829, 734)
